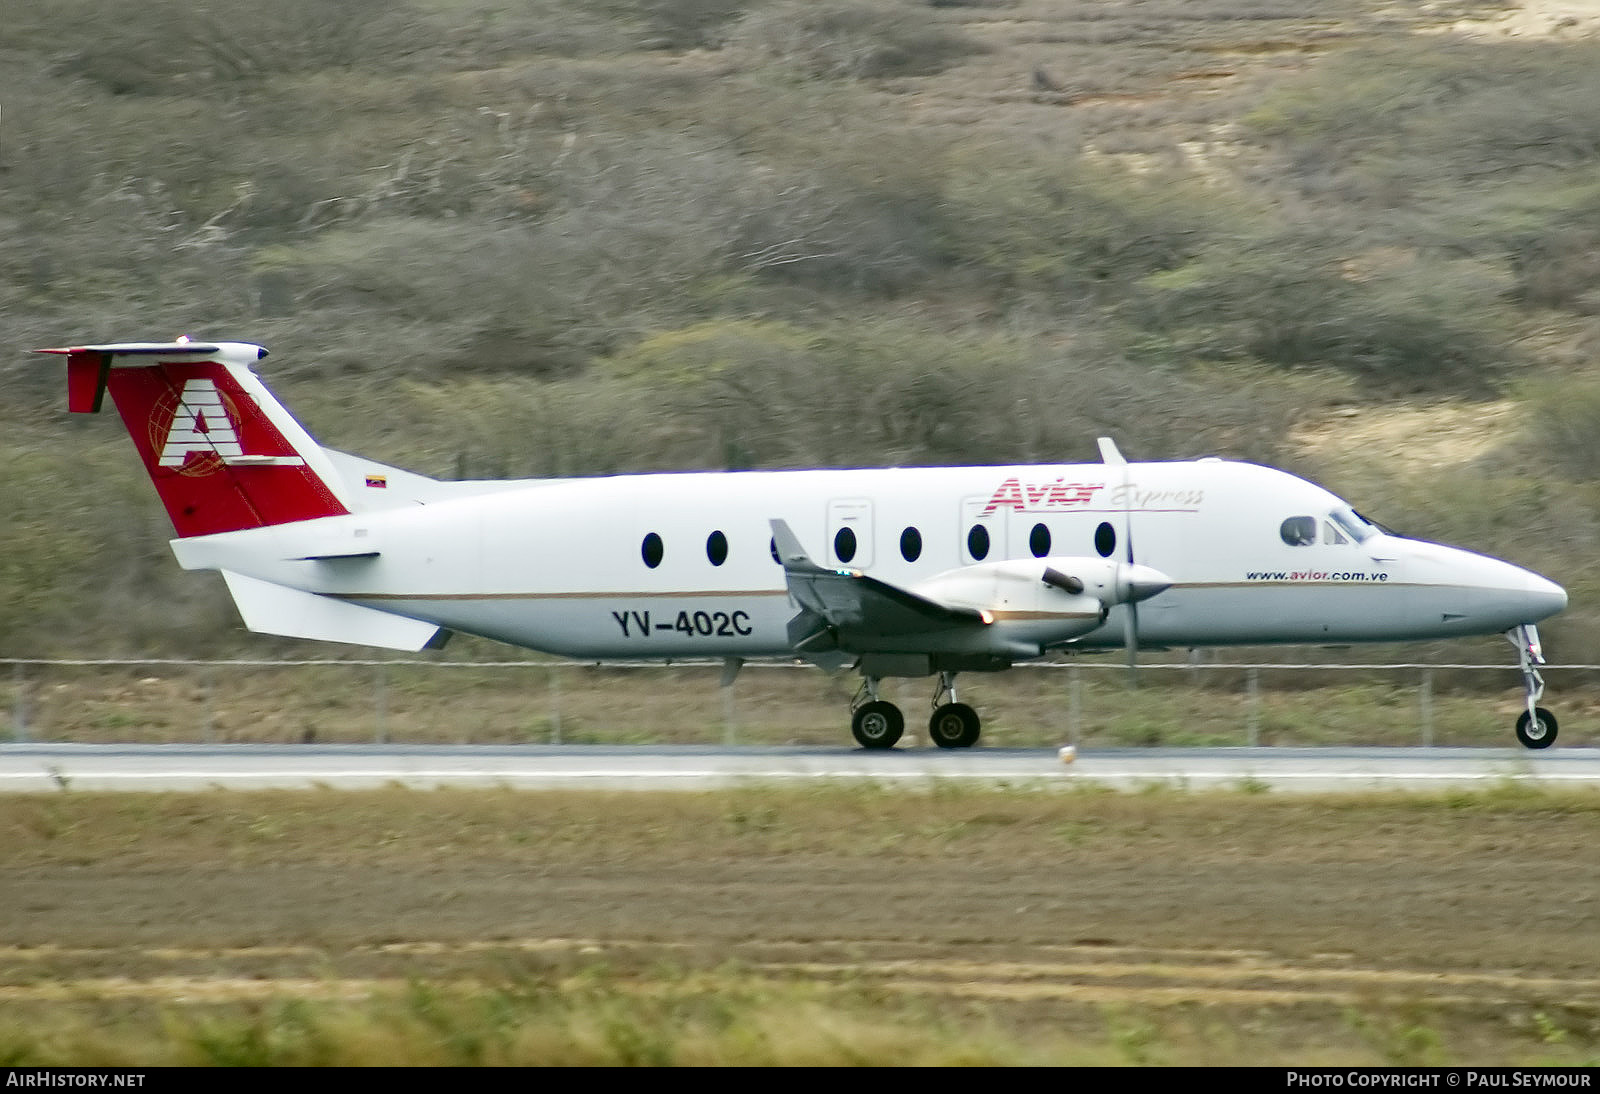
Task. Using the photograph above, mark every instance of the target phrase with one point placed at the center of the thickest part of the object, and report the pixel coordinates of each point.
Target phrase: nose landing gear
(1536, 726)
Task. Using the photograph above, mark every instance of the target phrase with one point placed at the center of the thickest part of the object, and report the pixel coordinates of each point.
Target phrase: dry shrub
(690, 24)
(859, 40)
(1565, 426)
(1560, 269)
(174, 43)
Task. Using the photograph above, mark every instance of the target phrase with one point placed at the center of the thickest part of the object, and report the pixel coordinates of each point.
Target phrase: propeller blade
(1130, 641)
(1135, 582)
(1130, 621)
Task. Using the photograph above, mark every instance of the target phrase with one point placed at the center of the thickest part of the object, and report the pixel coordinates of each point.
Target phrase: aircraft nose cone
(1143, 582)
(1545, 598)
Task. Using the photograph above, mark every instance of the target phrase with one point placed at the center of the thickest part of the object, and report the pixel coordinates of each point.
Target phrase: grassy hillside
(571, 237)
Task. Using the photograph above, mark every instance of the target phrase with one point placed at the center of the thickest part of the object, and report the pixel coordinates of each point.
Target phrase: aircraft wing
(844, 600)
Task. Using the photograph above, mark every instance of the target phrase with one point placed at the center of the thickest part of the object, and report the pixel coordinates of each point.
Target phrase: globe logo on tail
(194, 432)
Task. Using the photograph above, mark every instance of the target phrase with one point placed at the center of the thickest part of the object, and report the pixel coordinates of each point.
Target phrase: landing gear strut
(877, 723)
(874, 722)
(953, 725)
(1536, 726)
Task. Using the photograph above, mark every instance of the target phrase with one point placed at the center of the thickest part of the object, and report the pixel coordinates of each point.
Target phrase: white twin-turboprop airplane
(896, 572)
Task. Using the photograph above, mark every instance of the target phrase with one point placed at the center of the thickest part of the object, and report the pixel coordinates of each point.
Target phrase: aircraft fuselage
(565, 566)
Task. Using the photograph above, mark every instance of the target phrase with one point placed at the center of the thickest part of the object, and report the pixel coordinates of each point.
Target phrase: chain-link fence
(772, 703)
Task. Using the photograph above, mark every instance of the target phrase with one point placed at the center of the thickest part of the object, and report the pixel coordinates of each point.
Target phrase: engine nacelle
(1111, 581)
(1056, 585)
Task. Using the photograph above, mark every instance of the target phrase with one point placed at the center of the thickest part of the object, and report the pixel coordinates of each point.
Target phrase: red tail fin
(222, 452)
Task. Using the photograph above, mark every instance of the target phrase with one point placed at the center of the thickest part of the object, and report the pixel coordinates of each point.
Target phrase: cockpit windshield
(1356, 526)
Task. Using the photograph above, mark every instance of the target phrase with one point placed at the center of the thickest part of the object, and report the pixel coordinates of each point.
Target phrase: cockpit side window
(1380, 526)
(1299, 531)
(1331, 534)
(1353, 524)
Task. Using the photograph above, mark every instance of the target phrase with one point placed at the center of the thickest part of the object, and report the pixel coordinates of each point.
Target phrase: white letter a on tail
(200, 424)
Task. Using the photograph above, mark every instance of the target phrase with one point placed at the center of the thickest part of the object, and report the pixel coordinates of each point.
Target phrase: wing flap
(850, 600)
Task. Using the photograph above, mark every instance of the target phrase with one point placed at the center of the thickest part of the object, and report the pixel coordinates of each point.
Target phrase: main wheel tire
(954, 725)
(1537, 732)
(877, 724)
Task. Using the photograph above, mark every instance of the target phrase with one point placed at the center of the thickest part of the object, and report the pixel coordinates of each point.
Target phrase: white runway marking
(44, 767)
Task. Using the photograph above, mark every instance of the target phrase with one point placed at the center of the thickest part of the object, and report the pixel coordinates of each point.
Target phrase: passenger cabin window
(1299, 531)
(911, 545)
(1039, 541)
(717, 548)
(844, 545)
(978, 542)
(1105, 539)
(652, 550)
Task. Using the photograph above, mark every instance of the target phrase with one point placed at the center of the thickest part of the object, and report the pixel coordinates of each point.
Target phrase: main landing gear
(1536, 726)
(953, 725)
(877, 723)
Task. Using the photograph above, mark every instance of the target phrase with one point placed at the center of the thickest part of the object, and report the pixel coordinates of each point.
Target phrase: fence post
(19, 715)
(1074, 705)
(555, 704)
(1426, 693)
(207, 731)
(1253, 688)
(730, 724)
(380, 702)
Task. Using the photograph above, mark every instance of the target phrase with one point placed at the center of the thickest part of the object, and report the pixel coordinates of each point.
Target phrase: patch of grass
(829, 818)
(1403, 1037)
(729, 1016)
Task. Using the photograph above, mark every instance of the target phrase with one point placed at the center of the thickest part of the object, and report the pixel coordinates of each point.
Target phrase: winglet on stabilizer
(89, 367)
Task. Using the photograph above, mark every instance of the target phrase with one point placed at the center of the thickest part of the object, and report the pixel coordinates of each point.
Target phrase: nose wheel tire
(877, 724)
(1538, 731)
(954, 725)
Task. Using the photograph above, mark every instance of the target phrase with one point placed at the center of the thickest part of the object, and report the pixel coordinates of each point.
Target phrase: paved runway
(46, 767)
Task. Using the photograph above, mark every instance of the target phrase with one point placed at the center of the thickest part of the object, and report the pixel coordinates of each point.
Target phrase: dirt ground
(1474, 917)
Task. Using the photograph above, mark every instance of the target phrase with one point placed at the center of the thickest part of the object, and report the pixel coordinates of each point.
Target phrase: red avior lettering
(1014, 494)
(1010, 493)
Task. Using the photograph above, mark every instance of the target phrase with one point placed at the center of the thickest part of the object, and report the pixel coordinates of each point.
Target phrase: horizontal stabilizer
(145, 349)
(277, 609)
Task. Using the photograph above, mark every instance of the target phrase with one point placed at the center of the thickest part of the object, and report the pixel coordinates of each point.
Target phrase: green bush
(174, 43)
(1074, 230)
(1403, 124)
(1403, 322)
(1563, 426)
